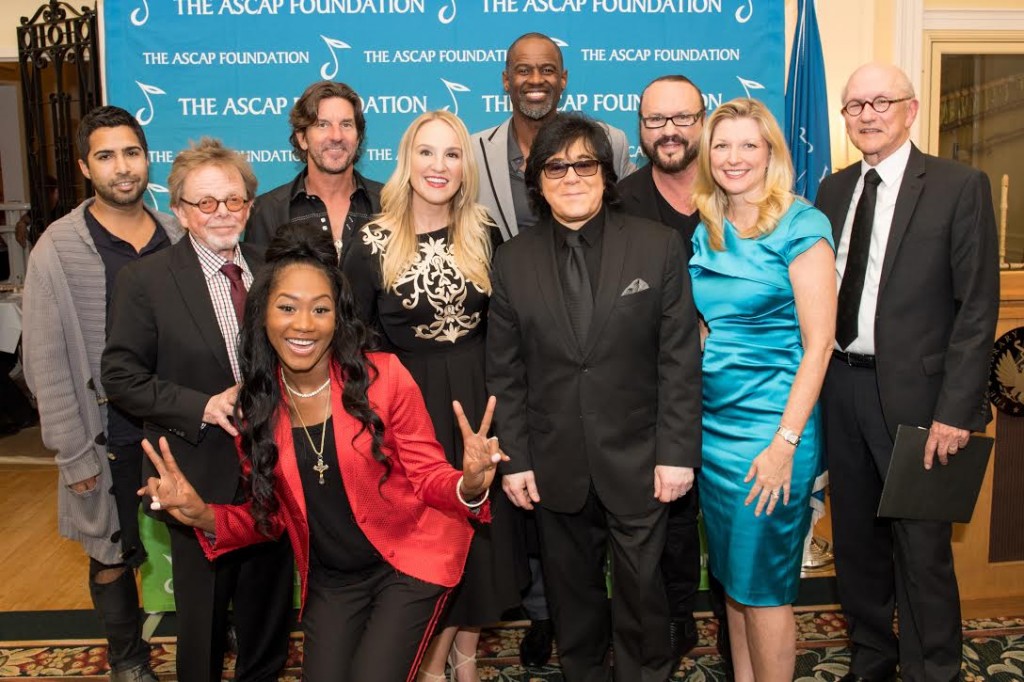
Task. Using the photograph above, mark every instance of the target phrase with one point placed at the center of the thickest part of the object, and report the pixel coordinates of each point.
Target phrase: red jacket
(415, 519)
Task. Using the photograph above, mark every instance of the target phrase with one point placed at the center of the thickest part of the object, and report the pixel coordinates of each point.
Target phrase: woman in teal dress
(763, 275)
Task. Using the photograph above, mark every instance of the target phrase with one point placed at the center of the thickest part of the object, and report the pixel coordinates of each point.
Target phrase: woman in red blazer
(339, 452)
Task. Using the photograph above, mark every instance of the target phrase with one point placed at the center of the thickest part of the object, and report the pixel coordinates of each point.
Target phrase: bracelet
(788, 435)
(471, 505)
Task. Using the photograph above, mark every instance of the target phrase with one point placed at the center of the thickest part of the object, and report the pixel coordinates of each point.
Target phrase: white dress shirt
(890, 171)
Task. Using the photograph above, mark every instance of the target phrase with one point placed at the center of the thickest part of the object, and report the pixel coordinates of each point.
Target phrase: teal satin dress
(750, 360)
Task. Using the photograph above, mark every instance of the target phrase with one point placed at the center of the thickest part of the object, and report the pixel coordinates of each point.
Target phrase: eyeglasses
(679, 120)
(880, 104)
(584, 168)
(210, 205)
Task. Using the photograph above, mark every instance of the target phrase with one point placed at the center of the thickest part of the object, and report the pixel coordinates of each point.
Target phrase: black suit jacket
(165, 357)
(938, 298)
(639, 197)
(612, 410)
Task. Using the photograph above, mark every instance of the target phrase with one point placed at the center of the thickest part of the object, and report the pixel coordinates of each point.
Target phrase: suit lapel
(906, 203)
(549, 282)
(495, 158)
(613, 257)
(837, 212)
(191, 283)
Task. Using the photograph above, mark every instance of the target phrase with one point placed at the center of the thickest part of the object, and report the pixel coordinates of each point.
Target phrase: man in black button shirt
(671, 119)
(67, 295)
(328, 130)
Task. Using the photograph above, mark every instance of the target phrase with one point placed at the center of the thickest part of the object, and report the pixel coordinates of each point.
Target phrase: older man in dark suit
(918, 277)
(171, 360)
(593, 354)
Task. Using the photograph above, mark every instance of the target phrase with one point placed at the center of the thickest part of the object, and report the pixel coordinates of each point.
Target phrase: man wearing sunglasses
(172, 360)
(534, 78)
(593, 354)
(918, 275)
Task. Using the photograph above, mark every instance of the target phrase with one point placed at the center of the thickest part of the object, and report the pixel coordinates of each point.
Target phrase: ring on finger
(774, 495)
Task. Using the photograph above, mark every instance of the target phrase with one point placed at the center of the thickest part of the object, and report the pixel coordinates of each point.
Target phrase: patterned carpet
(993, 650)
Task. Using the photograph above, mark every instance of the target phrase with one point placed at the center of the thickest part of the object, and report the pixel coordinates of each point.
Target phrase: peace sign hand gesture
(172, 492)
(480, 454)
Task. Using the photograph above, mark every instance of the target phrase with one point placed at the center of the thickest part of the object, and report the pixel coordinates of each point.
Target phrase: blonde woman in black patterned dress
(420, 273)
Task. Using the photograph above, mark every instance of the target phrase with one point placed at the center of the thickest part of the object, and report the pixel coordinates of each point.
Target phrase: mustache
(671, 139)
(547, 89)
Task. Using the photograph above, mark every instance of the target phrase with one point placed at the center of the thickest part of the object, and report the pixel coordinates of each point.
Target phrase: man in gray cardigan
(98, 452)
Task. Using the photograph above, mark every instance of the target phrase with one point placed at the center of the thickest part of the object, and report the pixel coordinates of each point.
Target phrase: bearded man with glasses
(172, 361)
(593, 354)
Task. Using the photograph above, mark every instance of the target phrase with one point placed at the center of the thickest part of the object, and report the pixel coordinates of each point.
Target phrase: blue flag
(807, 105)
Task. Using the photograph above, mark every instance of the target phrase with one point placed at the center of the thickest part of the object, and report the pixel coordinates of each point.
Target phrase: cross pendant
(320, 468)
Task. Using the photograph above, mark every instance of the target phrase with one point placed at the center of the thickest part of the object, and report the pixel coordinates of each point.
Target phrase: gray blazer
(63, 334)
(495, 193)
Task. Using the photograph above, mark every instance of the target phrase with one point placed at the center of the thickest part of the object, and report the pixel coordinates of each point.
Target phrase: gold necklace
(320, 466)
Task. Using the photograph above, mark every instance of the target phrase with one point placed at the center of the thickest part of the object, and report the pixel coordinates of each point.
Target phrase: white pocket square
(635, 287)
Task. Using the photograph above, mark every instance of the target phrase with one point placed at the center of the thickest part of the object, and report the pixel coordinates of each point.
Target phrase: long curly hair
(260, 395)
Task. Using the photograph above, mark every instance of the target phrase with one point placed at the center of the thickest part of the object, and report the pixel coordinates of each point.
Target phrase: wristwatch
(788, 435)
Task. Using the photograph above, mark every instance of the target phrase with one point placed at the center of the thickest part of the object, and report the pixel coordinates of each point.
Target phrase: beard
(538, 110)
(111, 196)
(667, 165)
(319, 159)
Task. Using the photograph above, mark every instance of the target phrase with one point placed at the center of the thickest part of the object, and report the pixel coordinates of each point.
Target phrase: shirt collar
(590, 233)
(891, 168)
(298, 188)
(211, 262)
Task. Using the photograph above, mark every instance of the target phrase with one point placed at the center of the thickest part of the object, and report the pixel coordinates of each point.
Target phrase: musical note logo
(152, 191)
(140, 19)
(147, 90)
(744, 16)
(749, 85)
(452, 89)
(329, 70)
(446, 14)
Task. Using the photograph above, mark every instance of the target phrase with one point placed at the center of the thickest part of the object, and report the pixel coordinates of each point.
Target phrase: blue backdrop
(233, 68)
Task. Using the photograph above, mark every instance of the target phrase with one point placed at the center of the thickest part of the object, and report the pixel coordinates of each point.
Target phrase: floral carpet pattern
(993, 650)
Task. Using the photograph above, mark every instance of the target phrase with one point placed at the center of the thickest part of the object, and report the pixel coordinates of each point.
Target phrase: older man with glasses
(172, 361)
(918, 276)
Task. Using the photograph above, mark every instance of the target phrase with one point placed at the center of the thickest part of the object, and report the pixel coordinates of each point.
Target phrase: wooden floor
(40, 571)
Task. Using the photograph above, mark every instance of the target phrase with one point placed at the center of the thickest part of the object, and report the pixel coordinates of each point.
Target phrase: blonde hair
(208, 152)
(470, 238)
(712, 201)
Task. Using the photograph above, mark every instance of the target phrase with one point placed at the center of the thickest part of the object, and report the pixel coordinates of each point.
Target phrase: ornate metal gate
(59, 61)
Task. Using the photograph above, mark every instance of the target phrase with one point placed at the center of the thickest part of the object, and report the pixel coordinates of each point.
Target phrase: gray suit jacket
(491, 149)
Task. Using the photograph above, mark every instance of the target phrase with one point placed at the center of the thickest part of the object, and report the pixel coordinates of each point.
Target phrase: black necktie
(234, 273)
(856, 262)
(579, 299)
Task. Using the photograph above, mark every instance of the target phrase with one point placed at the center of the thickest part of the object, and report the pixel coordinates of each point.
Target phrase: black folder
(942, 493)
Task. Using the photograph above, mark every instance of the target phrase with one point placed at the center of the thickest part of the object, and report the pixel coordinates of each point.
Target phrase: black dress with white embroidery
(435, 323)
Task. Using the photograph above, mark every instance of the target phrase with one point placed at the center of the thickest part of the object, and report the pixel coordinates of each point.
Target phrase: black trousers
(680, 563)
(574, 548)
(376, 627)
(126, 477)
(885, 565)
(256, 582)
